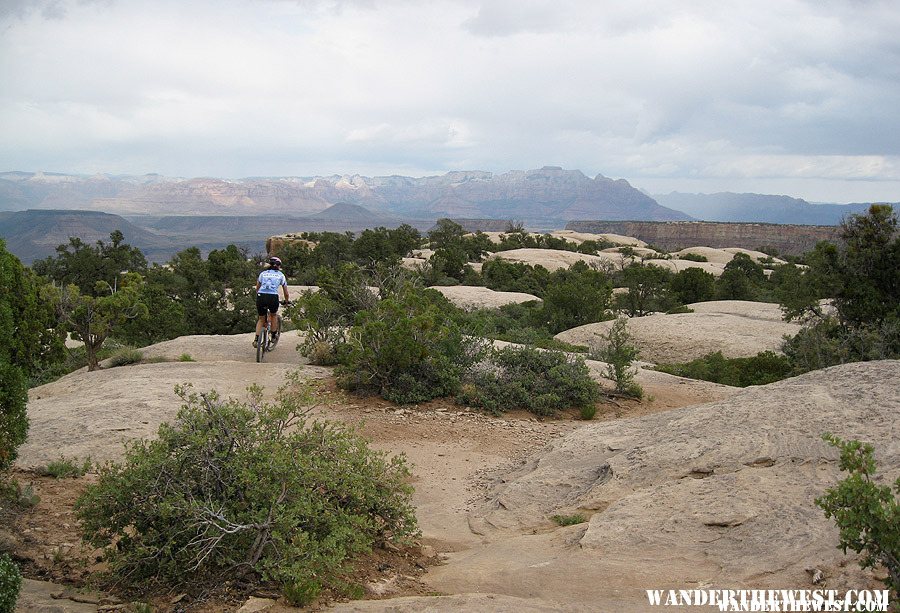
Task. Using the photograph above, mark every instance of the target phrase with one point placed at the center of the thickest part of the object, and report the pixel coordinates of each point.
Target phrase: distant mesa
(764, 208)
(786, 239)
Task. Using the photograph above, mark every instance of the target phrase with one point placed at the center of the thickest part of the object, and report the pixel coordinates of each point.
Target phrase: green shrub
(828, 343)
(323, 322)
(245, 490)
(648, 290)
(574, 297)
(867, 514)
(619, 355)
(18, 494)
(513, 323)
(568, 520)
(66, 468)
(302, 592)
(679, 309)
(125, 356)
(13, 418)
(765, 367)
(10, 584)
(693, 285)
(693, 257)
(186, 357)
(407, 349)
(504, 276)
(542, 382)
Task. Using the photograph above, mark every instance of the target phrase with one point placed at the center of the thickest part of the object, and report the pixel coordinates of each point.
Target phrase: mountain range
(763, 208)
(549, 196)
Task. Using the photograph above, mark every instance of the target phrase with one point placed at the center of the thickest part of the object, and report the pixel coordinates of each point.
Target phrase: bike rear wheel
(261, 345)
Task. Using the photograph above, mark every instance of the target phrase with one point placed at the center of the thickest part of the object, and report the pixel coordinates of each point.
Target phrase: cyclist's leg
(273, 318)
(261, 311)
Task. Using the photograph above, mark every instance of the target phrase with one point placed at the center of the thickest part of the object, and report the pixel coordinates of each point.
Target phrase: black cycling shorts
(266, 303)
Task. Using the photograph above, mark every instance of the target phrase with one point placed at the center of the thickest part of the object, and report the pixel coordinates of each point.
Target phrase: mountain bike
(267, 339)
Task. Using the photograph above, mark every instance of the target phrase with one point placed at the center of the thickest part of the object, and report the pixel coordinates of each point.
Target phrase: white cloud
(650, 91)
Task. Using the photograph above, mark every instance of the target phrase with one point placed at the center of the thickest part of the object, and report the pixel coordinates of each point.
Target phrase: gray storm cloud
(792, 96)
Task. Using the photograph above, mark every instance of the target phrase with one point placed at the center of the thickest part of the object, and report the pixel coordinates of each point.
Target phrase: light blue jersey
(270, 281)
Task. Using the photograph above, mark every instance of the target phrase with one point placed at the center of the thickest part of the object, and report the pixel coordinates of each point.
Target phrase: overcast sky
(771, 96)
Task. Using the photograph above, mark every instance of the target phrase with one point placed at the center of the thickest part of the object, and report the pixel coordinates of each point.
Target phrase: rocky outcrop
(554, 259)
(672, 236)
(716, 494)
(684, 337)
(470, 298)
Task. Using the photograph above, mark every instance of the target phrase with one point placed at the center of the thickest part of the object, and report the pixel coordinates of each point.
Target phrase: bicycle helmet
(273, 261)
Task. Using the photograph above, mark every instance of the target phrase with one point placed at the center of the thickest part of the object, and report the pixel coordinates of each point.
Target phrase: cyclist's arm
(285, 290)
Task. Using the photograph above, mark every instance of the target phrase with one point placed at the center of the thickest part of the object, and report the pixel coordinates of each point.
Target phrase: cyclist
(267, 285)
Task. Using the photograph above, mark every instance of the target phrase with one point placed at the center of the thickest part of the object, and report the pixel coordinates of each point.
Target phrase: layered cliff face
(672, 236)
(548, 196)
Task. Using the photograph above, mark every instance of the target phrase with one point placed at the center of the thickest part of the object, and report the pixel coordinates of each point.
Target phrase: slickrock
(686, 336)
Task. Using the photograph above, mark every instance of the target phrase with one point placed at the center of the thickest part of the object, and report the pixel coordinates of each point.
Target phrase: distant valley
(35, 233)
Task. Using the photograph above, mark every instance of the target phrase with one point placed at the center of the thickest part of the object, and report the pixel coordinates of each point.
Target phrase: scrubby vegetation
(568, 520)
(253, 489)
(867, 513)
(66, 468)
(542, 382)
(28, 344)
(513, 323)
(617, 351)
(407, 349)
(862, 276)
(765, 367)
(125, 356)
(10, 584)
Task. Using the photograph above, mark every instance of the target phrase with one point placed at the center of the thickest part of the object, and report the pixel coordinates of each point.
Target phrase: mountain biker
(267, 285)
